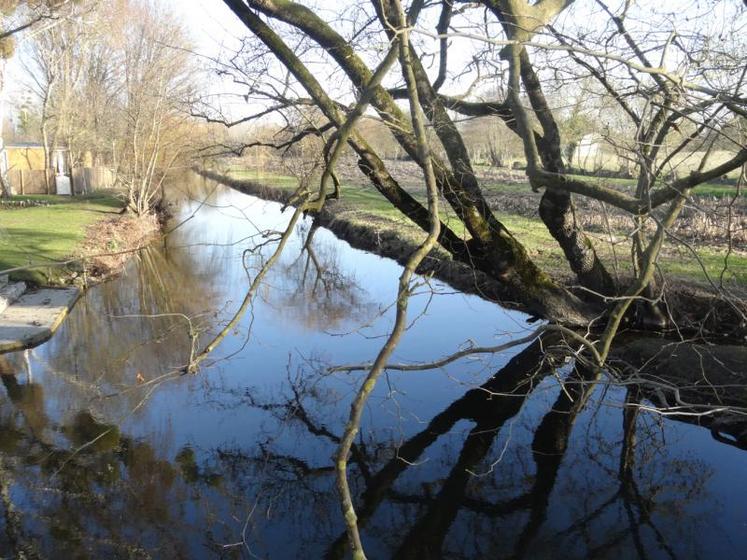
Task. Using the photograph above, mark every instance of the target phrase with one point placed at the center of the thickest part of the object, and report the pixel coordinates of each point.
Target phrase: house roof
(24, 145)
(30, 145)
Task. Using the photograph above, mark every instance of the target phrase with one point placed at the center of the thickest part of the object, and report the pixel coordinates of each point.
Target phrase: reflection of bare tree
(86, 461)
(492, 495)
(28, 398)
(697, 383)
(639, 492)
(489, 407)
(325, 297)
(317, 291)
(133, 329)
(549, 446)
(280, 239)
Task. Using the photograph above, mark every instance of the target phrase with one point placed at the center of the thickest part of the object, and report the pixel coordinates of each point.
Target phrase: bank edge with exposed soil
(110, 243)
(107, 245)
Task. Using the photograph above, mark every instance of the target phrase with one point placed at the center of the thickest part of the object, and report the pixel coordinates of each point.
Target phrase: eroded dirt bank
(110, 242)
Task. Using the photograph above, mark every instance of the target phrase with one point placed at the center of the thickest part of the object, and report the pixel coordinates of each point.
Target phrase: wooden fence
(41, 181)
(87, 179)
(31, 181)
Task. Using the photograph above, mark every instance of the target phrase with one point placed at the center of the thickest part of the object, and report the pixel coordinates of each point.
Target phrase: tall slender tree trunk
(47, 154)
(4, 184)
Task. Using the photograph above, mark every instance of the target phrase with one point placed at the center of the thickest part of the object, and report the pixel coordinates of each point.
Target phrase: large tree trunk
(556, 206)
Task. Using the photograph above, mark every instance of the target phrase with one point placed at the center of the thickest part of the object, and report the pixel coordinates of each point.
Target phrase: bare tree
(17, 18)
(117, 92)
(157, 82)
(657, 99)
(54, 70)
(688, 87)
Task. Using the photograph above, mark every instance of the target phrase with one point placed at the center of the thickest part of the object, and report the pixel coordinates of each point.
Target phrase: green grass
(506, 188)
(371, 200)
(284, 181)
(684, 264)
(45, 234)
(361, 196)
(676, 261)
(718, 190)
(534, 235)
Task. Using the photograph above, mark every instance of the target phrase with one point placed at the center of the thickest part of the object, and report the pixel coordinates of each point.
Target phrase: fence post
(20, 172)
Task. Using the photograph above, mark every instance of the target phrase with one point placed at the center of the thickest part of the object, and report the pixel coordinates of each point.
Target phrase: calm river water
(97, 460)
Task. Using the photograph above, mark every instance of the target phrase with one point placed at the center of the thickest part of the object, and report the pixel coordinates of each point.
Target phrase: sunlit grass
(45, 234)
(717, 190)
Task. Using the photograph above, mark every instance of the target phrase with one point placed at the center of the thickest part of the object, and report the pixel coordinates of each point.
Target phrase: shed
(23, 164)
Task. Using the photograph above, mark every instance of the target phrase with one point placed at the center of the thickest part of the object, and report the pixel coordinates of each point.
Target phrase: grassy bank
(687, 263)
(52, 232)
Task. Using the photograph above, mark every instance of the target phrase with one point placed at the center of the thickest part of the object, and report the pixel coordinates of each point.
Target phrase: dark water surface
(98, 461)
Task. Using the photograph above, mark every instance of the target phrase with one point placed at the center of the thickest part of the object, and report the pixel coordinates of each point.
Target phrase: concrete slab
(35, 317)
(9, 293)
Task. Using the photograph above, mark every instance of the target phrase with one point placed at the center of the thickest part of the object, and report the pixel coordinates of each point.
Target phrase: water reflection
(447, 490)
(319, 293)
(487, 502)
(540, 460)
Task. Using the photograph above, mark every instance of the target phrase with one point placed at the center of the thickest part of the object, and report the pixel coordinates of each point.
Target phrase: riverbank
(50, 240)
(109, 244)
(51, 247)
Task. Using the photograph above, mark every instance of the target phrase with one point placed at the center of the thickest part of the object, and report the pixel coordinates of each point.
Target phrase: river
(106, 452)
